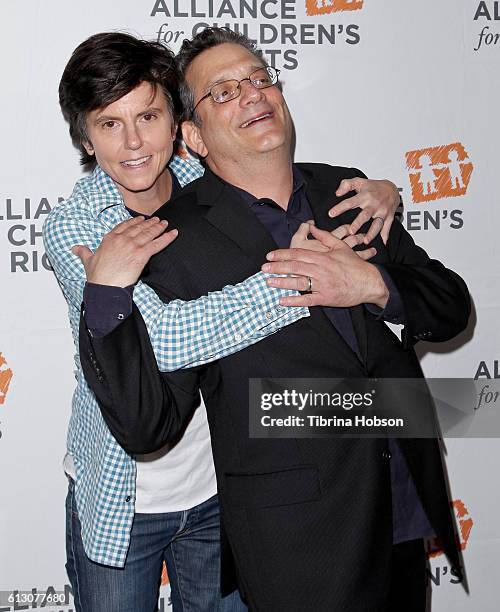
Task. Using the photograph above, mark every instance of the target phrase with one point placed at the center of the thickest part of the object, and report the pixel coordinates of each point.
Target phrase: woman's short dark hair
(106, 67)
(206, 39)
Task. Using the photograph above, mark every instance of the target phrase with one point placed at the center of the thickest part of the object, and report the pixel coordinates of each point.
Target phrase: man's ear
(88, 147)
(192, 137)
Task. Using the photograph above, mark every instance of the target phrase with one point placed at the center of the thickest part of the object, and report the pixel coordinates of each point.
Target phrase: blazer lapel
(231, 216)
(321, 197)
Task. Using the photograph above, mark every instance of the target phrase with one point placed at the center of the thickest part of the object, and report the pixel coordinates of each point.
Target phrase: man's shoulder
(185, 207)
(326, 173)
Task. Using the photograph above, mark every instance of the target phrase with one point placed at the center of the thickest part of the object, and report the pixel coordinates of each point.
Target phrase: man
(312, 524)
(128, 514)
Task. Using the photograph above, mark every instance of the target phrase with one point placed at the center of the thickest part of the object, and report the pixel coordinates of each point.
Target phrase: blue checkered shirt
(182, 334)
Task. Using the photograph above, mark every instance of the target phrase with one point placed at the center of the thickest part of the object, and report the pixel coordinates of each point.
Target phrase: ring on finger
(380, 219)
(309, 285)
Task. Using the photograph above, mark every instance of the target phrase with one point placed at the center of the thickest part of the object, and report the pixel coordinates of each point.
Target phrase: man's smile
(257, 118)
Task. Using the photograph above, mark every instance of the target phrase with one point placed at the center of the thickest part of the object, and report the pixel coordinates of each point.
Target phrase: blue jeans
(187, 541)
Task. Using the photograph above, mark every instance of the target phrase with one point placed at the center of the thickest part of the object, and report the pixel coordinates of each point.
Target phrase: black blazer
(308, 520)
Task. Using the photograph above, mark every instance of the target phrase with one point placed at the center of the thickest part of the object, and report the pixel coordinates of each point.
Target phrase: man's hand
(339, 277)
(123, 253)
(300, 240)
(378, 200)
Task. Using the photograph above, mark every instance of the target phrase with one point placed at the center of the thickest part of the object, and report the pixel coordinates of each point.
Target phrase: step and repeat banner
(400, 89)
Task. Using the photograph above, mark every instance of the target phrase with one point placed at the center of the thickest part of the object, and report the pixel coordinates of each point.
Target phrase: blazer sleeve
(435, 299)
(143, 408)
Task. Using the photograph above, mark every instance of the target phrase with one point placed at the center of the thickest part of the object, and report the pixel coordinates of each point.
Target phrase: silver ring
(380, 219)
(309, 285)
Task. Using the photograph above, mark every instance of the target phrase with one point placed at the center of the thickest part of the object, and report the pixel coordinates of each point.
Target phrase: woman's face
(132, 139)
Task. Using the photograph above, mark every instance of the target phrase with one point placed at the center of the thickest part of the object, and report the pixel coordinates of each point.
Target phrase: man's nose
(249, 93)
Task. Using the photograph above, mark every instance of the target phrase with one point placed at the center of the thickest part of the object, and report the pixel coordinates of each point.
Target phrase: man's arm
(142, 408)
(435, 300)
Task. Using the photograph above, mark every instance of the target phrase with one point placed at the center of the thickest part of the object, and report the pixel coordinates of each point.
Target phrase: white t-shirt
(174, 479)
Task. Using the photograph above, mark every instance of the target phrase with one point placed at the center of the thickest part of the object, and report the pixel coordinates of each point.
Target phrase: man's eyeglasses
(229, 90)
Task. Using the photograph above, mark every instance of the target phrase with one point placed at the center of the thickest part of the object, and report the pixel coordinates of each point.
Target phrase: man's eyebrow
(222, 77)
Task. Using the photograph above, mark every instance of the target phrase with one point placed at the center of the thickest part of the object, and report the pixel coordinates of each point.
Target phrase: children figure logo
(324, 7)
(439, 172)
(5, 378)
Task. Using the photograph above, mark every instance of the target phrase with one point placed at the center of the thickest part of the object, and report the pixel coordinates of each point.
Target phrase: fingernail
(270, 256)
(266, 268)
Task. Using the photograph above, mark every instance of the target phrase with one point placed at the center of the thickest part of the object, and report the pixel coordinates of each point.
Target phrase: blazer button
(387, 455)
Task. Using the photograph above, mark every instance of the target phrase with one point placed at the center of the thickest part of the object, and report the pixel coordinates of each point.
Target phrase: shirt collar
(299, 183)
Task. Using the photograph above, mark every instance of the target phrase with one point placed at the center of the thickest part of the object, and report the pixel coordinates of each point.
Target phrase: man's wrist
(378, 290)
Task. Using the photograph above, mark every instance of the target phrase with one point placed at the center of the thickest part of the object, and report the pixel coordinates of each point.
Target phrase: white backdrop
(403, 90)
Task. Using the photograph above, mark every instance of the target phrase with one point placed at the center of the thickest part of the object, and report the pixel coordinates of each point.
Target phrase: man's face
(132, 138)
(258, 121)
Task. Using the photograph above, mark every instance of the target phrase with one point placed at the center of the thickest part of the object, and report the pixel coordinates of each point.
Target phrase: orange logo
(164, 575)
(465, 523)
(323, 7)
(5, 378)
(439, 172)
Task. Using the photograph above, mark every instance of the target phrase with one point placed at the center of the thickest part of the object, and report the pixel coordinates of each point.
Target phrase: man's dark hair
(106, 67)
(206, 39)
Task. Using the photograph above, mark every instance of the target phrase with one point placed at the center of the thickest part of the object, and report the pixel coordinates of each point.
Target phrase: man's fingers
(326, 238)
(300, 235)
(355, 240)
(300, 268)
(307, 300)
(292, 254)
(341, 232)
(367, 254)
(295, 283)
(83, 252)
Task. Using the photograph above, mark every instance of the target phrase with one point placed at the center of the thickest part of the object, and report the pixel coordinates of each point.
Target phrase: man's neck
(272, 179)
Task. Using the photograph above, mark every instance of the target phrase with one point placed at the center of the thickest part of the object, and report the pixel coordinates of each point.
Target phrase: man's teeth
(136, 162)
(247, 123)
